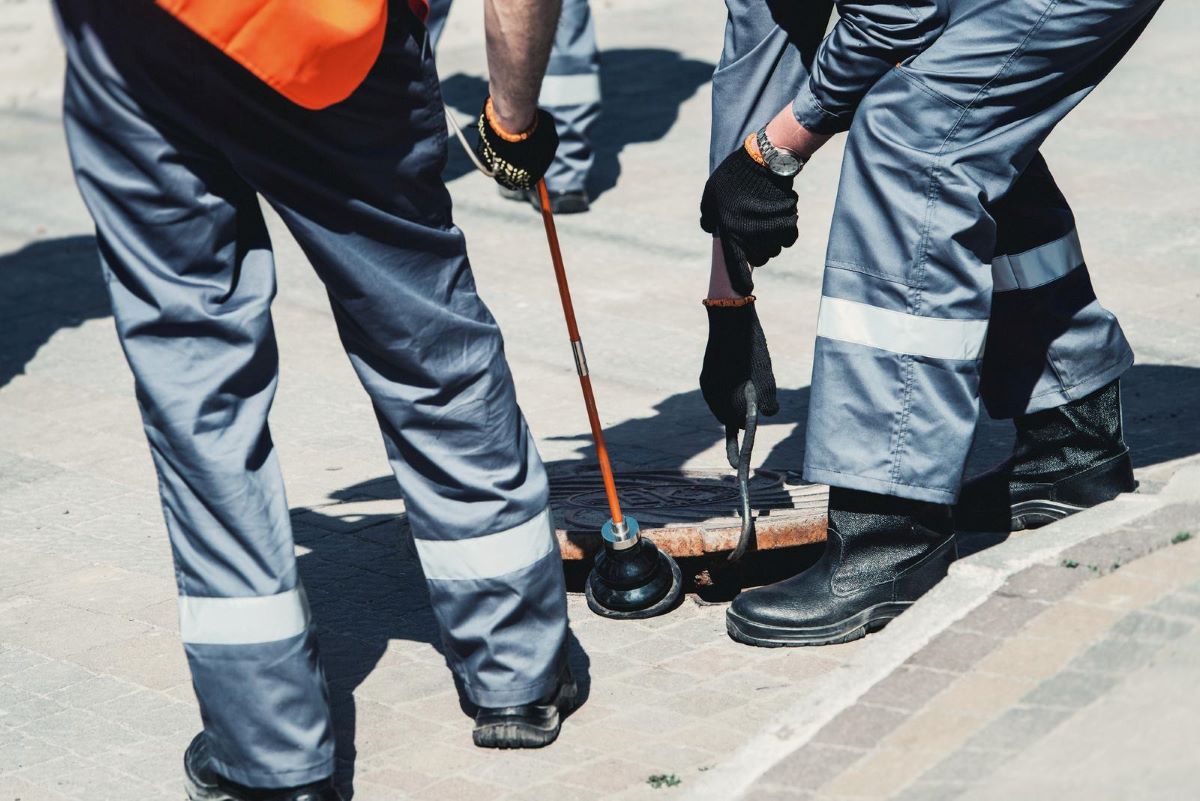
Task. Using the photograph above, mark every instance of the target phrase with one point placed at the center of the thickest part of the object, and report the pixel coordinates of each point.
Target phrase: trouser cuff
(1081, 389)
(833, 478)
(273, 779)
(514, 696)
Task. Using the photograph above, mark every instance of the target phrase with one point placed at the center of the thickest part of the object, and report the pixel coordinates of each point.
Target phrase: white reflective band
(935, 337)
(570, 90)
(243, 621)
(489, 556)
(1038, 266)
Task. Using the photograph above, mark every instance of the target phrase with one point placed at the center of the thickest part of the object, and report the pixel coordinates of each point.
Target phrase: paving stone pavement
(1073, 681)
(95, 701)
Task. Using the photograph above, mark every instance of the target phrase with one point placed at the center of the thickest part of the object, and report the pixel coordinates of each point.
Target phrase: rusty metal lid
(687, 512)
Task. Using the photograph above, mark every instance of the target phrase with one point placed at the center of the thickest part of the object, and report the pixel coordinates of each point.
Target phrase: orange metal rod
(585, 381)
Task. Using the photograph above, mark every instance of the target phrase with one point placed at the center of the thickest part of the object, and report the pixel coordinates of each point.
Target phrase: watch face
(785, 164)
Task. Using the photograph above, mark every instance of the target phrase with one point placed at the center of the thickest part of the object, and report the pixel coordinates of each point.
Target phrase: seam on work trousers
(933, 194)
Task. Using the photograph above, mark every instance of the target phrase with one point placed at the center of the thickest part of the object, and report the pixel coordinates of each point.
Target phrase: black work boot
(1066, 459)
(205, 784)
(882, 554)
(532, 725)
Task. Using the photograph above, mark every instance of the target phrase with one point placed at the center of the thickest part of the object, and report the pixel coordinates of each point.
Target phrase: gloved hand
(752, 210)
(736, 355)
(519, 160)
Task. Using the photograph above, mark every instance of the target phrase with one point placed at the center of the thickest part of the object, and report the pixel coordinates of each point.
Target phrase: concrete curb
(971, 582)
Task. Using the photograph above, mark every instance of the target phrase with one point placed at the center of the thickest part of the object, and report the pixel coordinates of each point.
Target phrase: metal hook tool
(739, 460)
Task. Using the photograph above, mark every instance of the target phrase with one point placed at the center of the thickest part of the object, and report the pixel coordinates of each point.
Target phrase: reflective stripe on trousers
(570, 90)
(172, 145)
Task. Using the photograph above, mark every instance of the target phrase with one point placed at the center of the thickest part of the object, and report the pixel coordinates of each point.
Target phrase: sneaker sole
(852, 628)
(528, 735)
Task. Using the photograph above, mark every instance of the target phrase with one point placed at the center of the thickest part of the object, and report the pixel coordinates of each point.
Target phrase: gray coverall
(570, 90)
(953, 268)
(172, 144)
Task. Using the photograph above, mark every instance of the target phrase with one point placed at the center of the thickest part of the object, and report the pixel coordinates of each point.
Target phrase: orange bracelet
(751, 145)
(490, 112)
(727, 303)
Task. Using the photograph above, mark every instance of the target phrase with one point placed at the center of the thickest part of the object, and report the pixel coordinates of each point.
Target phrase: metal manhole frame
(789, 513)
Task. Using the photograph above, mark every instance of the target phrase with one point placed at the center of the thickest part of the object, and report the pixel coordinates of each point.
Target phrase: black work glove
(736, 355)
(518, 161)
(752, 210)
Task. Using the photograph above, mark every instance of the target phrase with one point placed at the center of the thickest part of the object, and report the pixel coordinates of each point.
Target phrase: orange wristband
(727, 303)
(490, 113)
(751, 146)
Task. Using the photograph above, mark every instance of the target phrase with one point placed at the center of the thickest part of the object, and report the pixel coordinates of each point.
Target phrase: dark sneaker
(530, 725)
(882, 554)
(574, 202)
(1066, 459)
(202, 783)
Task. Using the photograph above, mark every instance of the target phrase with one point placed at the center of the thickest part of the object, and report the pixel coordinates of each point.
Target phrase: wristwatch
(780, 160)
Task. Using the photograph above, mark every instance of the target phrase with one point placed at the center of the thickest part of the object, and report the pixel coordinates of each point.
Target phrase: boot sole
(528, 735)
(852, 628)
(1038, 513)
(203, 792)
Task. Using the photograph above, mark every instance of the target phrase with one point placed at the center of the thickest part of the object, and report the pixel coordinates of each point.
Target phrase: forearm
(519, 34)
(718, 277)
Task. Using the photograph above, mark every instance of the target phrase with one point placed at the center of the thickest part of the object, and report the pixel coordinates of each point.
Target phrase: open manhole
(687, 512)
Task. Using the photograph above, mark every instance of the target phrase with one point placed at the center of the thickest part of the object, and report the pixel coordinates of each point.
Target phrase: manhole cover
(688, 512)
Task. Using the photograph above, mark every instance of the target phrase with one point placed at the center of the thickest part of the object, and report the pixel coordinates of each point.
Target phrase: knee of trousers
(909, 205)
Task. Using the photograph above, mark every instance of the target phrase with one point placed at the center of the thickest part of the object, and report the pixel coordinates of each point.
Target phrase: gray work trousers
(949, 233)
(172, 143)
(570, 90)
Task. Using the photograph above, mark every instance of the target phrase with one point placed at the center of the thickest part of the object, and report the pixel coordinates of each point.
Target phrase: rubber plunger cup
(631, 578)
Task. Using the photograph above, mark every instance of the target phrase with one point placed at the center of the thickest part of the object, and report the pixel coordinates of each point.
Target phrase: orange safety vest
(313, 52)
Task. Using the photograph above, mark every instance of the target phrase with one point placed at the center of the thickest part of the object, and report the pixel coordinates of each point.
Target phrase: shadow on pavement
(44, 287)
(642, 90)
(365, 588)
(1161, 425)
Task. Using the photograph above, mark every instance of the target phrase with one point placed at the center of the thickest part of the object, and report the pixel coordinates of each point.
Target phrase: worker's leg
(1049, 341)
(908, 286)
(189, 269)
(763, 65)
(571, 92)
(1052, 363)
(359, 184)
(907, 297)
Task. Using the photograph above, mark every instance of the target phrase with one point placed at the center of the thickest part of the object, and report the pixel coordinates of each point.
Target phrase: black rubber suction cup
(633, 579)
